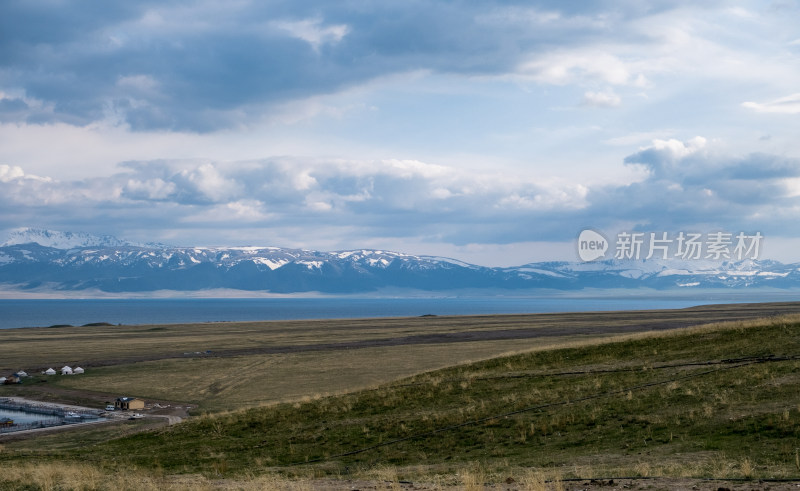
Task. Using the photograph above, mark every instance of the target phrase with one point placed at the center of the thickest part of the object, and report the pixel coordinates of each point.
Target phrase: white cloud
(302, 181)
(355, 191)
(211, 183)
(143, 83)
(792, 186)
(313, 32)
(601, 99)
(785, 105)
(519, 16)
(409, 168)
(665, 158)
(150, 189)
(441, 193)
(320, 206)
(677, 149)
(563, 67)
(10, 173)
(243, 212)
(411, 200)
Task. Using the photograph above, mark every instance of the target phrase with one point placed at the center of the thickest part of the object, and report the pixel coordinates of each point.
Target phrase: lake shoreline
(42, 313)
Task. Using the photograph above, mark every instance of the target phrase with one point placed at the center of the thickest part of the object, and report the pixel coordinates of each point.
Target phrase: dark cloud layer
(203, 66)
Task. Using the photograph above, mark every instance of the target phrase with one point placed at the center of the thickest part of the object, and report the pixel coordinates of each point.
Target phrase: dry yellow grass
(232, 382)
(242, 381)
(43, 347)
(58, 476)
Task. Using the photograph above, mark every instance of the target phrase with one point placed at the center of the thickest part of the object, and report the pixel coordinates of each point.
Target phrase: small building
(11, 379)
(49, 371)
(125, 403)
(65, 370)
(6, 422)
(78, 371)
(21, 373)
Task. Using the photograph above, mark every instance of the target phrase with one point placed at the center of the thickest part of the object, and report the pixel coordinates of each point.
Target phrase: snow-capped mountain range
(68, 240)
(34, 259)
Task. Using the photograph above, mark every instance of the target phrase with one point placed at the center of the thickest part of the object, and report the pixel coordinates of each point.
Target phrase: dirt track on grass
(512, 326)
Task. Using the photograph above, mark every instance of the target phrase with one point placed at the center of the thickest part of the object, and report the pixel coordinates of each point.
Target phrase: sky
(491, 132)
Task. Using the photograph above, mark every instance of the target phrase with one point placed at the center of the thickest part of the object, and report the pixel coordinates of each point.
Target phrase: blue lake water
(48, 312)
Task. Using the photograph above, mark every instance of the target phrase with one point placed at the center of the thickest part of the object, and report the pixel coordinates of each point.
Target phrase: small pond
(24, 420)
(25, 417)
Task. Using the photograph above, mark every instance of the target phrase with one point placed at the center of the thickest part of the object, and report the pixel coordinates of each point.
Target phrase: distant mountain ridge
(61, 240)
(67, 240)
(64, 261)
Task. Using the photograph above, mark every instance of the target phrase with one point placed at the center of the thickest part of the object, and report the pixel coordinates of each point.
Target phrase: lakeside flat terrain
(222, 366)
(431, 399)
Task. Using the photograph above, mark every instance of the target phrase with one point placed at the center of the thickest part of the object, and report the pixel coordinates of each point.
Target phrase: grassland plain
(225, 383)
(223, 366)
(114, 345)
(718, 401)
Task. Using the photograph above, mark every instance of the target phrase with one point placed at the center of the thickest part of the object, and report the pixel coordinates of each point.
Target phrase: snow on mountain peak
(61, 240)
(86, 261)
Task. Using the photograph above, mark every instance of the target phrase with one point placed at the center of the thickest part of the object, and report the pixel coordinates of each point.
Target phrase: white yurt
(49, 371)
(21, 373)
(65, 370)
(2, 380)
(78, 371)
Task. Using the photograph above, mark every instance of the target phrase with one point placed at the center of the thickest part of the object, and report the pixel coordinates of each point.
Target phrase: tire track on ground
(539, 326)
